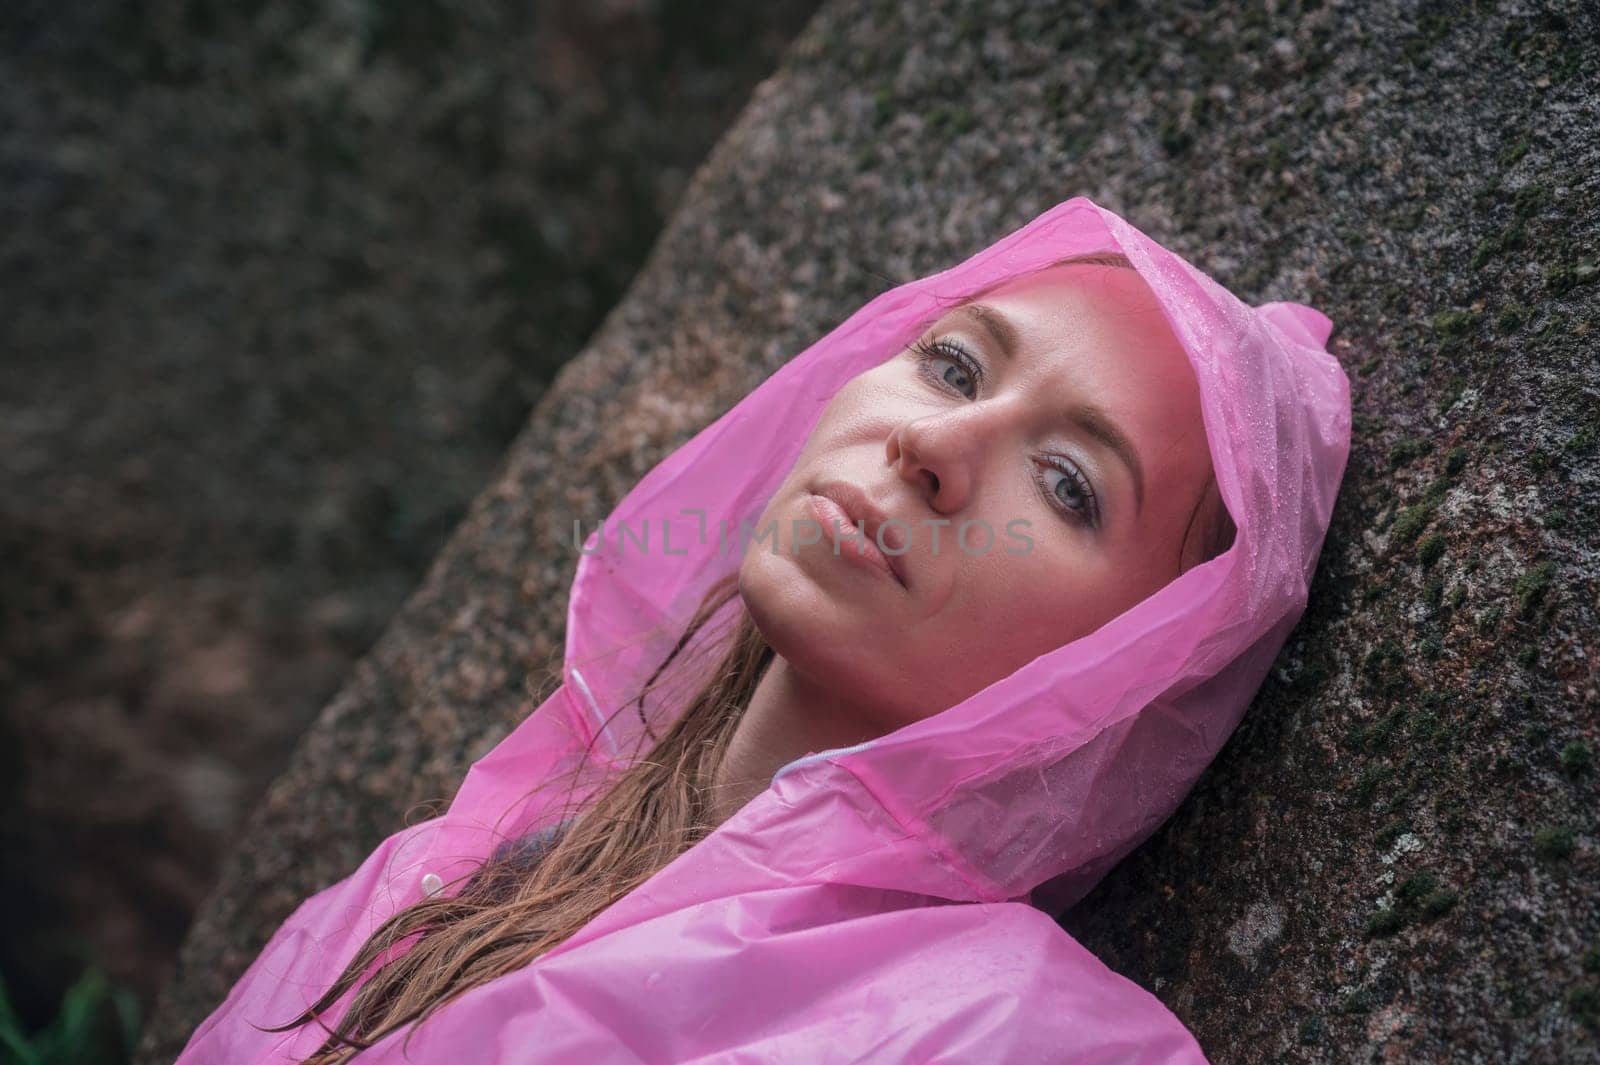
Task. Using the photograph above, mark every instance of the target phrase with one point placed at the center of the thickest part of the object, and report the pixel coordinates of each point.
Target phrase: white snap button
(432, 885)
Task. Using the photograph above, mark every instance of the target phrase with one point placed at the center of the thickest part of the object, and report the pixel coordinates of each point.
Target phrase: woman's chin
(804, 620)
(787, 605)
(809, 585)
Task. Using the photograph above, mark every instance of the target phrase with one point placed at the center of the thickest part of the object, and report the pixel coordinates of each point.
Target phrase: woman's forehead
(1116, 292)
(1080, 309)
(1097, 333)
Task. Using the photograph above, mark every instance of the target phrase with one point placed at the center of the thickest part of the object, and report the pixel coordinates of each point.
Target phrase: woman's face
(1016, 526)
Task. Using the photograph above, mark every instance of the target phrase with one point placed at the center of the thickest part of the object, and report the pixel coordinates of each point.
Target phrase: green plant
(96, 1024)
(1554, 842)
(1385, 922)
(1576, 758)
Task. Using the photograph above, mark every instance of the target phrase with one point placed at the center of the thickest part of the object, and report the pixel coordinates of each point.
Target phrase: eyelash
(928, 350)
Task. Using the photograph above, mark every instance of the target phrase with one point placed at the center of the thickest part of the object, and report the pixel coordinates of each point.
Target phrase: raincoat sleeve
(990, 983)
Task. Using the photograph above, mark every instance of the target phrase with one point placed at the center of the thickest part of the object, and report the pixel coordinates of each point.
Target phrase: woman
(806, 786)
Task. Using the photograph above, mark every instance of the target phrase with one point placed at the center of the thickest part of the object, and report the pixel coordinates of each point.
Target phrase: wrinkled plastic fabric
(880, 902)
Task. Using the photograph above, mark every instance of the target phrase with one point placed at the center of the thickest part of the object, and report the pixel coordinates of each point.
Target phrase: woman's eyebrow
(1097, 423)
(1087, 417)
(998, 325)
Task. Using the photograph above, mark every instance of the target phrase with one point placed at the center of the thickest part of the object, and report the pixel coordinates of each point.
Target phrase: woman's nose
(937, 454)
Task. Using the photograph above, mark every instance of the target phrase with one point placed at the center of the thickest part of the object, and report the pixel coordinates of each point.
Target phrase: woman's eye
(949, 365)
(1069, 489)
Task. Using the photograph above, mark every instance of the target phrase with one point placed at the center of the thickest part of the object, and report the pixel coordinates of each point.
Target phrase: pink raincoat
(877, 902)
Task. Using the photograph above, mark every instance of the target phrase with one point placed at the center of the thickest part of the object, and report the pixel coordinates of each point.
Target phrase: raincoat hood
(1027, 791)
(1051, 774)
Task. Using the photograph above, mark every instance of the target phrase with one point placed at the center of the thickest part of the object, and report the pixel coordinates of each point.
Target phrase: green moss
(1408, 449)
(1563, 278)
(1368, 782)
(1491, 618)
(1558, 279)
(1385, 650)
(1452, 392)
(1368, 366)
(1514, 236)
(1391, 832)
(1457, 596)
(1378, 736)
(1423, 898)
(1383, 670)
(1411, 521)
(1528, 200)
(1487, 192)
(1454, 460)
(1141, 62)
(1453, 323)
(1417, 47)
(1528, 655)
(1591, 960)
(1554, 518)
(1386, 922)
(1430, 550)
(1584, 1002)
(1277, 155)
(1353, 736)
(1510, 155)
(1554, 842)
(1530, 587)
(1486, 249)
(1431, 647)
(882, 105)
(1408, 221)
(1418, 886)
(1576, 758)
(1435, 904)
(1310, 1031)
(1310, 675)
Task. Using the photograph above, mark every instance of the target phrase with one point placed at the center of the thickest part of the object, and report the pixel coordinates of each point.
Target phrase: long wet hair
(508, 915)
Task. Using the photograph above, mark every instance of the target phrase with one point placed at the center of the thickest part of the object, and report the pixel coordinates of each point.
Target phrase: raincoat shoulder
(994, 983)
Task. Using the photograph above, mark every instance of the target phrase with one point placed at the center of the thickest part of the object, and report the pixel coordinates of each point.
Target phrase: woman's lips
(836, 523)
